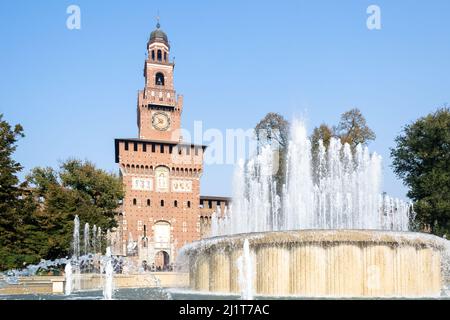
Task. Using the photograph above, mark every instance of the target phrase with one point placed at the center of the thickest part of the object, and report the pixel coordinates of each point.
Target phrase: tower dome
(158, 35)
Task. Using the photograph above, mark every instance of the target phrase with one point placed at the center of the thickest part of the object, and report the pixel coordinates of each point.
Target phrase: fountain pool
(321, 263)
(331, 233)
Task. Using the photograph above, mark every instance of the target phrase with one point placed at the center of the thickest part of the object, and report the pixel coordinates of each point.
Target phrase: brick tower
(160, 173)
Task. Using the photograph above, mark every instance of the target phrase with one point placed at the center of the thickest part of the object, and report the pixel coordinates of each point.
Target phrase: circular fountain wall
(322, 263)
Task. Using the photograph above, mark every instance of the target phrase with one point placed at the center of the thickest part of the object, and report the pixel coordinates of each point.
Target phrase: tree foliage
(324, 133)
(273, 128)
(36, 217)
(352, 129)
(9, 190)
(78, 188)
(422, 159)
(11, 215)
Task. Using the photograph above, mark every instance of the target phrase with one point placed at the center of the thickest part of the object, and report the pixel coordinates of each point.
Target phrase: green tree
(422, 159)
(78, 188)
(9, 192)
(36, 217)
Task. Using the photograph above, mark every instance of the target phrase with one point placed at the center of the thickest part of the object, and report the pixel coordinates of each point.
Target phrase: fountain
(99, 240)
(331, 233)
(76, 238)
(75, 268)
(109, 275)
(245, 266)
(86, 239)
(82, 276)
(68, 279)
(94, 239)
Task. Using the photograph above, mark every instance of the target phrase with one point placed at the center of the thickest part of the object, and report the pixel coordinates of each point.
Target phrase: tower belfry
(159, 108)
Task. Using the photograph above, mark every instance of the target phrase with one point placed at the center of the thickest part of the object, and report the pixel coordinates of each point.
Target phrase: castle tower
(159, 109)
(160, 173)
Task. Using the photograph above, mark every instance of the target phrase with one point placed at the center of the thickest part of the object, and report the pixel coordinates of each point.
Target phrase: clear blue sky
(75, 91)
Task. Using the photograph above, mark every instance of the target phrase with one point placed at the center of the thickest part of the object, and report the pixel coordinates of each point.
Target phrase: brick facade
(162, 209)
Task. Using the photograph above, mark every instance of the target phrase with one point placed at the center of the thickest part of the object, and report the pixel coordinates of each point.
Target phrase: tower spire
(157, 21)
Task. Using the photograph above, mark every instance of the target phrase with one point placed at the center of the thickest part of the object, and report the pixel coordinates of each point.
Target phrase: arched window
(188, 204)
(134, 202)
(162, 203)
(165, 56)
(159, 79)
(159, 55)
(175, 203)
(153, 54)
(148, 202)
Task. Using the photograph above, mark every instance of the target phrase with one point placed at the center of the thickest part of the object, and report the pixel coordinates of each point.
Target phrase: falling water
(99, 240)
(108, 238)
(75, 270)
(298, 199)
(109, 274)
(94, 239)
(68, 278)
(338, 188)
(76, 238)
(255, 205)
(86, 239)
(131, 244)
(245, 267)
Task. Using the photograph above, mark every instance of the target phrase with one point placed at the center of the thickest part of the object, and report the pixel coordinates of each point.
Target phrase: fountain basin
(322, 263)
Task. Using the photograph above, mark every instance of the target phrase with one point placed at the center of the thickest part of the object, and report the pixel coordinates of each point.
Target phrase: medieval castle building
(162, 209)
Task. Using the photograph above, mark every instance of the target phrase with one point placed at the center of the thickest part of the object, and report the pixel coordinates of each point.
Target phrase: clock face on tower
(161, 121)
